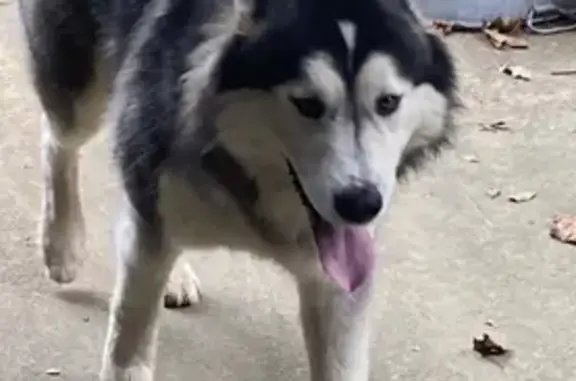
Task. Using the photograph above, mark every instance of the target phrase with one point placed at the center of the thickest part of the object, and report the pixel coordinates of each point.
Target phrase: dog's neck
(217, 167)
(219, 163)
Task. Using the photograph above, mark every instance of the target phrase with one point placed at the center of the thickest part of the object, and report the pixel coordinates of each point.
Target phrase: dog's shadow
(216, 340)
(229, 340)
(88, 299)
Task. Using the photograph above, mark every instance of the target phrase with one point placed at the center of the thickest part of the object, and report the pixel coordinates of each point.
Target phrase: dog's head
(363, 93)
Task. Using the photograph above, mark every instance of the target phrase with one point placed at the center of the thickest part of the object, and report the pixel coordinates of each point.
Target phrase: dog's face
(365, 92)
(347, 142)
(362, 98)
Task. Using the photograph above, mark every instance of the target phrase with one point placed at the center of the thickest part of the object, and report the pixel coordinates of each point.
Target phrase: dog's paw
(183, 288)
(60, 262)
(137, 373)
(62, 274)
(61, 249)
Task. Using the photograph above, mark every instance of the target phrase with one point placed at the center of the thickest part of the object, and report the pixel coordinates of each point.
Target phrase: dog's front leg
(336, 328)
(144, 264)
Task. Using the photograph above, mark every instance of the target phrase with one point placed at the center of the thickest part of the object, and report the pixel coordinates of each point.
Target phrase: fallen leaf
(29, 241)
(506, 25)
(495, 126)
(516, 72)
(487, 347)
(493, 193)
(522, 197)
(444, 27)
(563, 72)
(489, 323)
(53, 372)
(564, 229)
(501, 40)
(86, 319)
(471, 158)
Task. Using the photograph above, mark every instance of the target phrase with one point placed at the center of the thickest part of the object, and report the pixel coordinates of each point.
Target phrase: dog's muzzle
(358, 204)
(346, 252)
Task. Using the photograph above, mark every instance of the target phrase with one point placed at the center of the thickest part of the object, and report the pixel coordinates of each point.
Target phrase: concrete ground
(455, 259)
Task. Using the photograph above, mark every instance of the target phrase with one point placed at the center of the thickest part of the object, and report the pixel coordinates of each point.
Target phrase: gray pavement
(454, 258)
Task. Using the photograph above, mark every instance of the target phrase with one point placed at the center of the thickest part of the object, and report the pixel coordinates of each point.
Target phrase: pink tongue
(347, 255)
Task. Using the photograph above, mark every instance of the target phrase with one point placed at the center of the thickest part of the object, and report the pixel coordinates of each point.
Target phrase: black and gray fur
(220, 143)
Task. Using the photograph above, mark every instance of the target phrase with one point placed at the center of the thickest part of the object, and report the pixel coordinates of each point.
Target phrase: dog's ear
(441, 71)
(249, 26)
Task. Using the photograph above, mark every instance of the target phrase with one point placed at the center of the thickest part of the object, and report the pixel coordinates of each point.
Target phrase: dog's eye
(310, 107)
(386, 104)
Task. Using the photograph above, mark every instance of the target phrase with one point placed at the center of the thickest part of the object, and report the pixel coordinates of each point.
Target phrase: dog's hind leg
(61, 37)
(336, 328)
(183, 288)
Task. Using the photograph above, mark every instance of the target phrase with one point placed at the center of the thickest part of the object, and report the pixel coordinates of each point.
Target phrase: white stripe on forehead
(322, 76)
(348, 30)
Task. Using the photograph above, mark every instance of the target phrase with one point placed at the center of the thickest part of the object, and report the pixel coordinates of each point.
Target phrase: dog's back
(62, 38)
(73, 43)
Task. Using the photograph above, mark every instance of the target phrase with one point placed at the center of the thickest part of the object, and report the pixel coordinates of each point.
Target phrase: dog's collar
(222, 167)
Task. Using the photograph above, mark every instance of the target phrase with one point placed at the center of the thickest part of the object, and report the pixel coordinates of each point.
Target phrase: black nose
(358, 204)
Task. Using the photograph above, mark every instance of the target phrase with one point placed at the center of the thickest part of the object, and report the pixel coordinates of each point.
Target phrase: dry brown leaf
(444, 27)
(507, 25)
(493, 193)
(516, 72)
(495, 126)
(564, 229)
(53, 372)
(521, 197)
(29, 241)
(487, 347)
(501, 40)
(563, 72)
(471, 158)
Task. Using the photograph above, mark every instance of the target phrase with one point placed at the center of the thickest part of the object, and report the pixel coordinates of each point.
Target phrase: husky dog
(278, 127)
